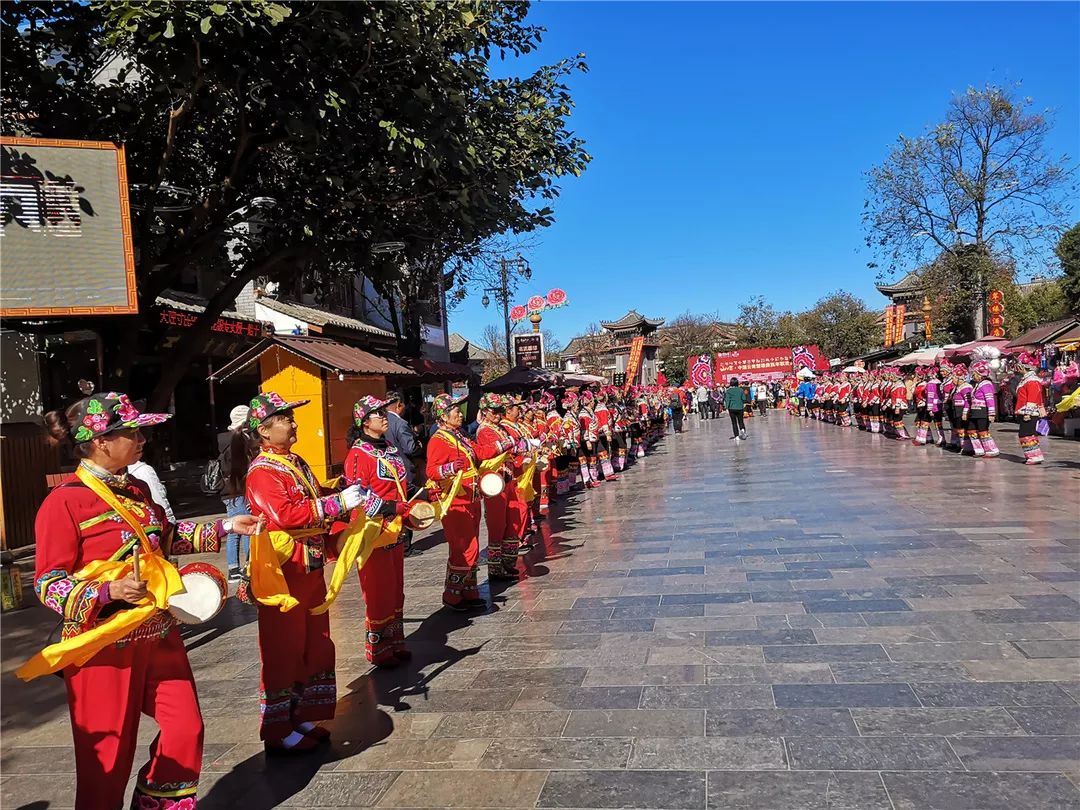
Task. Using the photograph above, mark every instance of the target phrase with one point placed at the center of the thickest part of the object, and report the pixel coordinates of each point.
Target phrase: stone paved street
(814, 618)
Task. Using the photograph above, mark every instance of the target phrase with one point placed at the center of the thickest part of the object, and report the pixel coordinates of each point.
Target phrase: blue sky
(730, 141)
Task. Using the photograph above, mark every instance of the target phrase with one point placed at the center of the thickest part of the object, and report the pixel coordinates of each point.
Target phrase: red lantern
(996, 296)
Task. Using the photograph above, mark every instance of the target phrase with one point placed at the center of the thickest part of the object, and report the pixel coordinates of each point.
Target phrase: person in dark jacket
(401, 436)
(735, 401)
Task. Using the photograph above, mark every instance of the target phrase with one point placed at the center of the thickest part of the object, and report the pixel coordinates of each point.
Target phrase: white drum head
(492, 484)
(199, 602)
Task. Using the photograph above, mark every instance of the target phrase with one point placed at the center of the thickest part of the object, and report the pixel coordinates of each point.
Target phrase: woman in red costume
(449, 454)
(87, 531)
(376, 465)
(1029, 408)
(298, 681)
(504, 514)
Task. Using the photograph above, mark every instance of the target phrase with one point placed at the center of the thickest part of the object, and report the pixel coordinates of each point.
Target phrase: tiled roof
(630, 320)
(339, 358)
(1045, 333)
(189, 302)
(319, 317)
(458, 342)
(583, 343)
(911, 283)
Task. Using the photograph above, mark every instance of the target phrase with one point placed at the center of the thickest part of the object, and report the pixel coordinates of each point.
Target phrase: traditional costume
(961, 402)
(298, 681)
(1029, 409)
(377, 466)
(453, 466)
(119, 660)
(983, 412)
(590, 440)
(504, 514)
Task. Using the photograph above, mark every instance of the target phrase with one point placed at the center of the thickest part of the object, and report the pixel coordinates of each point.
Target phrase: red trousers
(461, 526)
(106, 696)
(382, 579)
(298, 680)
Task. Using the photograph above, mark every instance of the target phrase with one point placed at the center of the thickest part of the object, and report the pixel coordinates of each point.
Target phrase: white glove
(351, 496)
(534, 443)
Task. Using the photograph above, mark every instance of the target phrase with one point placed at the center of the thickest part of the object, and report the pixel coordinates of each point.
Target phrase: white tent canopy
(923, 357)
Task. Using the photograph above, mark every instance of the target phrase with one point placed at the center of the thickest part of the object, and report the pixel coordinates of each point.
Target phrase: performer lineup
(104, 548)
(954, 405)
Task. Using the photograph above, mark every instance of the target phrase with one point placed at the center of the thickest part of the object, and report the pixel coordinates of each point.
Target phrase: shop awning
(339, 358)
(1068, 338)
(1044, 333)
(438, 370)
(966, 349)
(522, 379)
(922, 357)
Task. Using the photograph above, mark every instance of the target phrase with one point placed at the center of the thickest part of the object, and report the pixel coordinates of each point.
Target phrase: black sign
(620, 378)
(529, 350)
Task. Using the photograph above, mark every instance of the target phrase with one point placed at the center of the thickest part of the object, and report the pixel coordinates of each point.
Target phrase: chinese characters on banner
(226, 326)
(996, 308)
(775, 360)
(899, 313)
(888, 341)
(633, 364)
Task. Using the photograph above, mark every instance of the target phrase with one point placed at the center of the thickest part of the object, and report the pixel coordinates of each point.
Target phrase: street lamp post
(502, 293)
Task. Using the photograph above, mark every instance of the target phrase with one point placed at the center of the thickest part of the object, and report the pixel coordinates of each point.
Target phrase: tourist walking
(735, 402)
(235, 452)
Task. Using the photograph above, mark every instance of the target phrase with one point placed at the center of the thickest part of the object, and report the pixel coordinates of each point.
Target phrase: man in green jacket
(735, 402)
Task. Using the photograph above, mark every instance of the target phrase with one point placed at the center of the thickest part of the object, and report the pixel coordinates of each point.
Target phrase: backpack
(213, 479)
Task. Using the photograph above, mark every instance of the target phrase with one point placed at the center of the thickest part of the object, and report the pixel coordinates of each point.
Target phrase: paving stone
(871, 753)
(1019, 753)
(980, 791)
(439, 789)
(805, 790)
(779, 722)
(546, 698)
(1048, 720)
(844, 695)
(502, 724)
(875, 672)
(1051, 648)
(675, 790)
(648, 675)
(992, 694)
(856, 606)
(768, 673)
(706, 697)
(546, 753)
(936, 722)
(636, 723)
(816, 653)
(720, 753)
(534, 676)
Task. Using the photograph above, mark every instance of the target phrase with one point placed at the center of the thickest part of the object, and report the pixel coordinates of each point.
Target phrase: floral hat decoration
(492, 402)
(269, 404)
(443, 404)
(365, 407)
(981, 367)
(108, 412)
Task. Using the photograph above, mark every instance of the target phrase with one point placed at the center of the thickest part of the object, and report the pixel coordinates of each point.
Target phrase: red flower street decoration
(539, 303)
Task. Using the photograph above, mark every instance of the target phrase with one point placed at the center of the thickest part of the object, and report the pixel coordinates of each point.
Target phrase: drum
(492, 484)
(204, 594)
(421, 515)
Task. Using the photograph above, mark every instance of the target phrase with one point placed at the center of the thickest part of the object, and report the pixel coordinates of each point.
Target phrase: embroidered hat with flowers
(365, 407)
(443, 404)
(492, 402)
(109, 412)
(269, 404)
(981, 367)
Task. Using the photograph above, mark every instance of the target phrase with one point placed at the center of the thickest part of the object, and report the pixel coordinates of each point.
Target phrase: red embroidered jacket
(374, 467)
(74, 527)
(288, 503)
(604, 422)
(493, 439)
(1029, 397)
(444, 449)
(589, 425)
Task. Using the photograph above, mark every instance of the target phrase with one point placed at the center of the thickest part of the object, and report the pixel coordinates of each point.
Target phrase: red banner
(633, 365)
(700, 370)
(771, 361)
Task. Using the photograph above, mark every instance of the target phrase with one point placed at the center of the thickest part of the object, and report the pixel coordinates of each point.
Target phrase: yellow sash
(359, 540)
(526, 489)
(162, 581)
(269, 549)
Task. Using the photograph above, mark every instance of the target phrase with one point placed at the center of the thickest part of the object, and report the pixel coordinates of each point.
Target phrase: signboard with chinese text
(529, 350)
(65, 229)
(222, 326)
(773, 360)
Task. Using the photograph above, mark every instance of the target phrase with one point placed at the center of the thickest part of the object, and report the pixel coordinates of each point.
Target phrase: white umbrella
(854, 370)
(804, 373)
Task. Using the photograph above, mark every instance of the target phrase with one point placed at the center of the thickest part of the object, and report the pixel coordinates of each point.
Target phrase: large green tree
(842, 325)
(363, 122)
(1068, 253)
(982, 179)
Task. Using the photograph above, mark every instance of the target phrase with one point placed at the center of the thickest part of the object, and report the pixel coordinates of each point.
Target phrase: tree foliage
(762, 325)
(1068, 253)
(841, 325)
(686, 336)
(364, 122)
(982, 177)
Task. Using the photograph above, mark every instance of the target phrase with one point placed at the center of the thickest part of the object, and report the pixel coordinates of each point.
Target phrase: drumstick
(135, 564)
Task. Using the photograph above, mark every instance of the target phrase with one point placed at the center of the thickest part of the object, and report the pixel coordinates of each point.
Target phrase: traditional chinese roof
(583, 343)
(1045, 333)
(320, 317)
(632, 320)
(477, 354)
(911, 284)
(335, 357)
